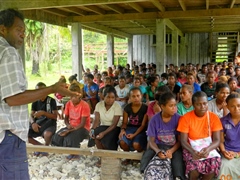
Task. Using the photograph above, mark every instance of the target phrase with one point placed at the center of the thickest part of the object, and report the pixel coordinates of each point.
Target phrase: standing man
(14, 98)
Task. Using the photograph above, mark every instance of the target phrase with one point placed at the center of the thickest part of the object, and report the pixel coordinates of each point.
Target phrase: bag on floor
(158, 169)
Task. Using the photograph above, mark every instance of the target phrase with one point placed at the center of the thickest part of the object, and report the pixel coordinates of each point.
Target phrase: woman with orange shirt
(196, 125)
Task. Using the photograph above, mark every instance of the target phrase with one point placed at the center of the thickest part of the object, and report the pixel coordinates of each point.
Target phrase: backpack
(158, 169)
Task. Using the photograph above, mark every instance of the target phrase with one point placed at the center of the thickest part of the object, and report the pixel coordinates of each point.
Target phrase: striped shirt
(12, 81)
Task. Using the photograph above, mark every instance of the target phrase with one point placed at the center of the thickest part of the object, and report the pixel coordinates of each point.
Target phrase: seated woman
(230, 141)
(196, 125)
(107, 81)
(77, 120)
(191, 80)
(90, 92)
(152, 88)
(233, 84)
(153, 106)
(137, 83)
(163, 136)
(172, 79)
(185, 105)
(122, 91)
(219, 105)
(133, 136)
(106, 126)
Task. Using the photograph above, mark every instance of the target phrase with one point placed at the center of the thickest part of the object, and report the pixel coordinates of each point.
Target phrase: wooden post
(160, 45)
(110, 50)
(130, 52)
(175, 47)
(111, 168)
(77, 49)
(183, 52)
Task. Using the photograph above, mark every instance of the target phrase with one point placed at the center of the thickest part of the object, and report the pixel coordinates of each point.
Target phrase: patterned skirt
(206, 166)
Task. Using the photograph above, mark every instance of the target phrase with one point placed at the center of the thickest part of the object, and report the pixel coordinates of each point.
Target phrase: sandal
(69, 157)
(43, 154)
(36, 154)
(126, 162)
(75, 157)
(98, 163)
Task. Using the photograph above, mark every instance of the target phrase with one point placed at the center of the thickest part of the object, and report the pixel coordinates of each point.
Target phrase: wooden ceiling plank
(75, 10)
(115, 8)
(39, 4)
(143, 26)
(207, 4)
(107, 29)
(232, 3)
(158, 5)
(182, 4)
(136, 7)
(172, 26)
(95, 9)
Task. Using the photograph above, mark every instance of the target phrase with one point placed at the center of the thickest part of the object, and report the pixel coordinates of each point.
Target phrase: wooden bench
(111, 165)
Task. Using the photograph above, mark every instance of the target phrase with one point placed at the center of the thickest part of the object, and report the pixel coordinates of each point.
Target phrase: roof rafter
(57, 12)
(158, 5)
(106, 29)
(114, 8)
(143, 26)
(136, 7)
(75, 10)
(232, 3)
(182, 4)
(207, 4)
(95, 9)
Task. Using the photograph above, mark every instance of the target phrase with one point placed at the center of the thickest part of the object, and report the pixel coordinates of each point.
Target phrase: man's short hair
(7, 17)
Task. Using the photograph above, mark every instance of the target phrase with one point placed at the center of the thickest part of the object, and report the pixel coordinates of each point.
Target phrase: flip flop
(43, 153)
(36, 154)
(69, 157)
(75, 157)
(98, 163)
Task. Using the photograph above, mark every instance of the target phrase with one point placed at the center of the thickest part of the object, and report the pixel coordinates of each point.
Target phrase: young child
(230, 141)
(122, 91)
(77, 120)
(106, 126)
(185, 105)
(163, 136)
(133, 136)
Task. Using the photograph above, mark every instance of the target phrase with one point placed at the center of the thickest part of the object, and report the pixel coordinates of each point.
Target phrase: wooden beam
(56, 12)
(207, 4)
(113, 17)
(136, 7)
(182, 4)
(232, 4)
(158, 5)
(114, 8)
(106, 29)
(190, 14)
(87, 152)
(172, 26)
(95, 9)
(39, 4)
(142, 26)
(42, 16)
(75, 10)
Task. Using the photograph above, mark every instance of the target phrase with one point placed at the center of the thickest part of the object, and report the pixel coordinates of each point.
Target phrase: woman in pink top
(77, 120)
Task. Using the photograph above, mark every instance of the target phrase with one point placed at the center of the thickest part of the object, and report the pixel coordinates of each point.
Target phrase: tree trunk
(35, 65)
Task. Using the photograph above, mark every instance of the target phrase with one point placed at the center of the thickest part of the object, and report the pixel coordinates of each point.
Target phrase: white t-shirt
(212, 106)
(122, 93)
(106, 116)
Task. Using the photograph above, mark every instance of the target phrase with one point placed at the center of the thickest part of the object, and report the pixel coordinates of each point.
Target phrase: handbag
(158, 169)
(199, 144)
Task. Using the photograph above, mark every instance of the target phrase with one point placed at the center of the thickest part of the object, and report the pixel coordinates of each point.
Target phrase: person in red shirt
(77, 120)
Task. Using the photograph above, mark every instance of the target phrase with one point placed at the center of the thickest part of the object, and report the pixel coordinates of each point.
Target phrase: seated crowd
(188, 115)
